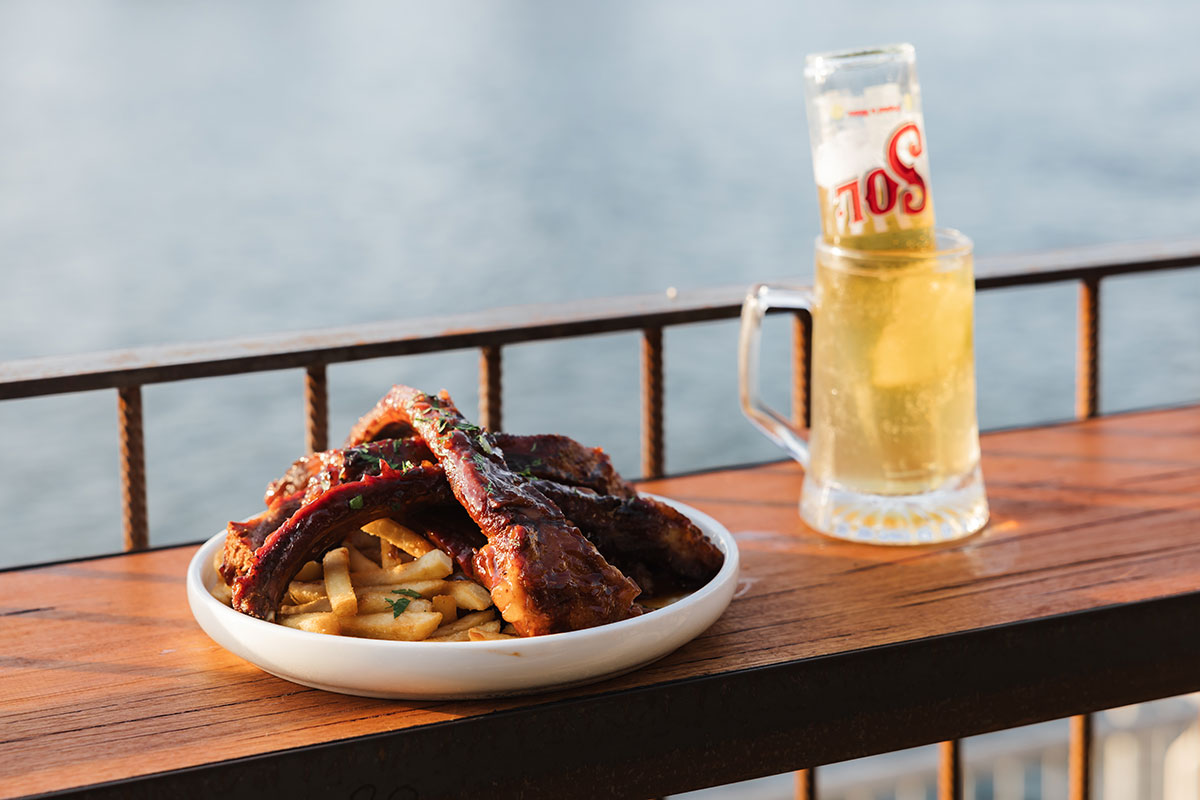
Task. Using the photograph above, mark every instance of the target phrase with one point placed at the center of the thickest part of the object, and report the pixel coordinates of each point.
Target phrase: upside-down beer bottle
(870, 159)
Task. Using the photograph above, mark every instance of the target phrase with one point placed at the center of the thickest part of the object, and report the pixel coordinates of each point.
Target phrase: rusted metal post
(652, 402)
(133, 468)
(1079, 758)
(950, 771)
(801, 368)
(489, 387)
(1087, 370)
(806, 784)
(316, 401)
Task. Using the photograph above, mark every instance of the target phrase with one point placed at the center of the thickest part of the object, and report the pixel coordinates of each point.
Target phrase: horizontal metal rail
(165, 363)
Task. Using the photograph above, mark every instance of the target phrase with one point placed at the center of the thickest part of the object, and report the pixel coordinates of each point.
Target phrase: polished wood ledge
(1082, 593)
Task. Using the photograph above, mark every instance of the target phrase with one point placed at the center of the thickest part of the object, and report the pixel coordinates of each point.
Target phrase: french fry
(479, 634)
(362, 540)
(433, 565)
(306, 591)
(222, 592)
(468, 595)
(409, 626)
(314, 623)
(423, 588)
(462, 625)
(311, 571)
(444, 604)
(391, 556)
(320, 604)
(377, 603)
(337, 582)
(359, 562)
(402, 536)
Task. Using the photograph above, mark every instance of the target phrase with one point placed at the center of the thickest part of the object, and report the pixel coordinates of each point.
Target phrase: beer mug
(893, 449)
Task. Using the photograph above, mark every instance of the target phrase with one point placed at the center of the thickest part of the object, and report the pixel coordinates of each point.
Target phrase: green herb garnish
(400, 603)
(356, 502)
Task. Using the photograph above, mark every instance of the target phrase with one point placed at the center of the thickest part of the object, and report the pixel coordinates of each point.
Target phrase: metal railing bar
(1087, 370)
(316, 403)
(1079, 758)
(806, 784)
(164, 363)
(652, 403)
(133, 468)
(950, 782)
(1077, 263)
(490, 381)
(801, 368)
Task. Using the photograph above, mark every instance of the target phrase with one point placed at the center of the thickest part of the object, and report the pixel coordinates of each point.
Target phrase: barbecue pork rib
(649, 541)
(242, 539)
(317, 472)
(551, 456)
(563, 460)
(323, 522)
(544, 576)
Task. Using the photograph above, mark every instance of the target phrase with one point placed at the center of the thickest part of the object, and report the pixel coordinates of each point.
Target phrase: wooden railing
(128, 370)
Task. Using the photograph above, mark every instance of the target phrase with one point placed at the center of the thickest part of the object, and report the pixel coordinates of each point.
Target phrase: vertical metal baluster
(1087, 371)
(806, 784)
(801, 368)
(652, 403)
(1079, 759)
(316, 401)
(1087, 405)
(489, 386)
(133, 468)
(950, 771)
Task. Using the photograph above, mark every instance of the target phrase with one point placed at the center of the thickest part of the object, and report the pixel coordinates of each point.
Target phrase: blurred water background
(173, 172)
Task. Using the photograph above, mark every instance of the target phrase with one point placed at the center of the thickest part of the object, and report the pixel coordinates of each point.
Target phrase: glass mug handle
(777, 428)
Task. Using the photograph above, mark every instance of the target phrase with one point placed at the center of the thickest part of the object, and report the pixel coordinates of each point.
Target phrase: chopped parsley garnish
(483, 443)
(356, 502)
(406, 465)
(399, 604)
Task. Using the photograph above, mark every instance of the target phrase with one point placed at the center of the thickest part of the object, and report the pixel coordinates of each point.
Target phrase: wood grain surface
(104, 675)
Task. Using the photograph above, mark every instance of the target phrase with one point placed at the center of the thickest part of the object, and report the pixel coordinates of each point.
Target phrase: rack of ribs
(545, 523)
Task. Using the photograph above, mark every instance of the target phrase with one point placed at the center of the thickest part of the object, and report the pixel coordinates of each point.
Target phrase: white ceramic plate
(442, 670)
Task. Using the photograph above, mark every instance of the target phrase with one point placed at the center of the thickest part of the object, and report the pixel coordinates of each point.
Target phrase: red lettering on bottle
(880, 200)
(908, 172)
(851, 188)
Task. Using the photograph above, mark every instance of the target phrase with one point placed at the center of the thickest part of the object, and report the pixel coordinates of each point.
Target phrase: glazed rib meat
(317, 472)
(323, 522)
(551, 456)
(544, 576)
(563, 460)
(242, 539)
(649, 541)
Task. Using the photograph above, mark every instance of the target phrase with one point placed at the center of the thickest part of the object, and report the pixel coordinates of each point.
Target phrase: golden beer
(893, 406)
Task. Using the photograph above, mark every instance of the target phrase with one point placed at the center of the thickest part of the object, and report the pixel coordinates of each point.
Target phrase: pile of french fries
(387, 582)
